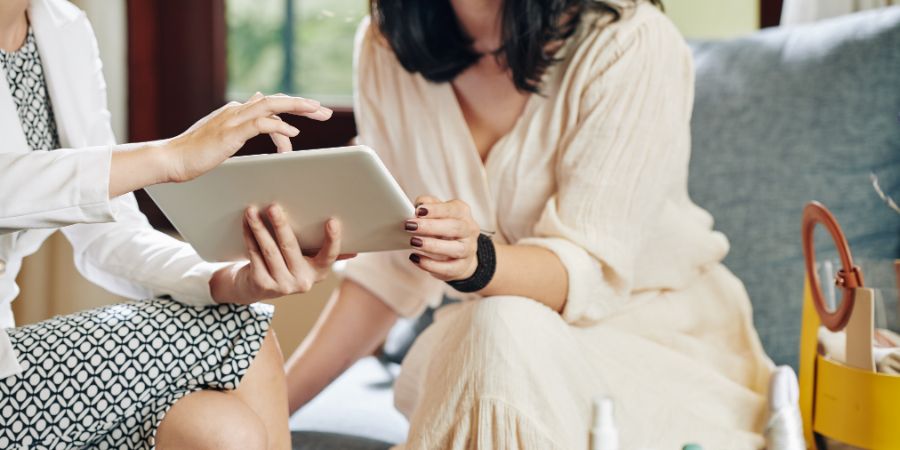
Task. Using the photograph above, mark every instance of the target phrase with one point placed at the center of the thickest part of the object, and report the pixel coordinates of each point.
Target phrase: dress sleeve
(634, 116)
(389, 275)
(41, 189)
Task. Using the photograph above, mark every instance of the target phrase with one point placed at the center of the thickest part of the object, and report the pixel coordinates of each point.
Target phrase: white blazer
(67, 189)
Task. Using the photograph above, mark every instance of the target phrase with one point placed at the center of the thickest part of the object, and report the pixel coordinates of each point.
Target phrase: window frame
(178, 74)
(770, 13)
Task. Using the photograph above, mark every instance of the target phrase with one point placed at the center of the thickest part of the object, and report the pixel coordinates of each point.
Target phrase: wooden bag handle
(848, 278)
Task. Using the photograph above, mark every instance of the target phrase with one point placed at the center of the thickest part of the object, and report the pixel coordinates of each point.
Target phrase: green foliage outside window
(318, 47)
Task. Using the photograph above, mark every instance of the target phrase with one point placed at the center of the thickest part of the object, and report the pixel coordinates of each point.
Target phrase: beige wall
(706, 19)
(51, 285)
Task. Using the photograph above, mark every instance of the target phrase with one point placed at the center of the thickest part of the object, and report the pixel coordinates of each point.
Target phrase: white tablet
(348, 183)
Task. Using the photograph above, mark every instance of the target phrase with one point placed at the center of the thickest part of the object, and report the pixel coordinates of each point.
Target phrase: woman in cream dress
(608, 278)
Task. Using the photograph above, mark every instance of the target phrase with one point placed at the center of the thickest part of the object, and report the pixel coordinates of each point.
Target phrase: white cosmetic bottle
(604, 435)
(785, 429)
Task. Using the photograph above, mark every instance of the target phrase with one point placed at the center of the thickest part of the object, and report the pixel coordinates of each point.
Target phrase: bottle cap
(603, 412)
(604, 435)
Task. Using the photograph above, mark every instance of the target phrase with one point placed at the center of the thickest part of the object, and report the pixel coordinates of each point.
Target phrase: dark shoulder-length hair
(426, 36)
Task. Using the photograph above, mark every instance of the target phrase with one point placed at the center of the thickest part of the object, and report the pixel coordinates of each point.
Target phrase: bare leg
(211, 420)
(353, 324)
(252, 417)
(264, 390)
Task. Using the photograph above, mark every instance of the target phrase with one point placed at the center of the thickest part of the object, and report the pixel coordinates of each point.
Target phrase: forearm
(136, 166)
(352, 326)
(532, 272)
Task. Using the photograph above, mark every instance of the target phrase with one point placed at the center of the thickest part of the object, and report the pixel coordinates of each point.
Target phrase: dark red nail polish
(414, 258)
(410, 225)
(416, 242)
(422, 212)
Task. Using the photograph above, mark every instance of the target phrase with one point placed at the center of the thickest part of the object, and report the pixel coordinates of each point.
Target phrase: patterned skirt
(104, 378)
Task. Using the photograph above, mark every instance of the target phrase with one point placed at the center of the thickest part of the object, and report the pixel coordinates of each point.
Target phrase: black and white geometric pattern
(104, 378)
(25, 77)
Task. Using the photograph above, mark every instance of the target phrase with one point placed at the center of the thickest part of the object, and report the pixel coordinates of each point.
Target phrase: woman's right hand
(218, 136)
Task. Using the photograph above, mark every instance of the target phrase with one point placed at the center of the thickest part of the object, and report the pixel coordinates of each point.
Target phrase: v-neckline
(483, 167)
(463, 125)
(527, 110)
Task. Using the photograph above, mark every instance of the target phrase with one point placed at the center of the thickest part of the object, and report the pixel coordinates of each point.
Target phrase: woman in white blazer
(196, 367)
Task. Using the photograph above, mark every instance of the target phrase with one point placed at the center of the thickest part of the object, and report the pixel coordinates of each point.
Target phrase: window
(302, 47)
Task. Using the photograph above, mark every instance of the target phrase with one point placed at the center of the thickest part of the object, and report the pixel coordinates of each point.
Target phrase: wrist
(223, 284)
(167, 153)
(470, 271)
(136, 166)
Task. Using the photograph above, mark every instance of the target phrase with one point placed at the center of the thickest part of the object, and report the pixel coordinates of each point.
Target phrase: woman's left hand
(445, 238)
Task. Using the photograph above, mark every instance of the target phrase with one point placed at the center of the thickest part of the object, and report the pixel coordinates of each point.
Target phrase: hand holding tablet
(349, 184)
(277, 266)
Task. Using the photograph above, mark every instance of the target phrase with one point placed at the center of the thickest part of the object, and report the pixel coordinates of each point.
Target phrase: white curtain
(805, 11)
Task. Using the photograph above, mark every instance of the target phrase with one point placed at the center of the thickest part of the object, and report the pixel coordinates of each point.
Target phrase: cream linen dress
(594, 170)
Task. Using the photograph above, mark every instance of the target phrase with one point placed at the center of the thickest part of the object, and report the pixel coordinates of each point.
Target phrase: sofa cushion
(317, 440)
(790, 115)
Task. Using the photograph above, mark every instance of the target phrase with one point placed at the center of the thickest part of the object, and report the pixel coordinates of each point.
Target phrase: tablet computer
(347, 183)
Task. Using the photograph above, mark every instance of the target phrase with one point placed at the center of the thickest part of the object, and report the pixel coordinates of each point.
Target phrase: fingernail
(416, 242)
(415, 258)
(409, 225)
(332, 226)
(275, 210)
(252, 212)
(422, 212)
(294, 131)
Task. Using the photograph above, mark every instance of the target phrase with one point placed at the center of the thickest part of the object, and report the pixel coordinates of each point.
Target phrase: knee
(498, 338)
(212, 421)
(501, 317)
(247, 436)
(237, 427)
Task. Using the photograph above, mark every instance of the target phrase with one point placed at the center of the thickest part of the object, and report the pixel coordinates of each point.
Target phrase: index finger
(443, 210)
(331, 249)
(279, 104)
(425, 199)
(286, 239)
(253, 251)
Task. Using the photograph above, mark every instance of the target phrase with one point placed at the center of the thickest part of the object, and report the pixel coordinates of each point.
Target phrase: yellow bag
(848, 402)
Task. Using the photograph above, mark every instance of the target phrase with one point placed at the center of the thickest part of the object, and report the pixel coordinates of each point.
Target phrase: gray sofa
(781, 117)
